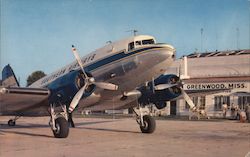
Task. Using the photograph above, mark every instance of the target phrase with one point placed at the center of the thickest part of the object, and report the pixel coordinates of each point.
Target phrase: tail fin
(8, 77)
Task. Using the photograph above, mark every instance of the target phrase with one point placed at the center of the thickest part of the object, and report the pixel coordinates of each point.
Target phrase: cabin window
(131, 46)
(138, 43)
(147, 42)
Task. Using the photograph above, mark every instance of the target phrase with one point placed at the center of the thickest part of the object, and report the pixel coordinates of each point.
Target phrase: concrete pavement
(121, 137)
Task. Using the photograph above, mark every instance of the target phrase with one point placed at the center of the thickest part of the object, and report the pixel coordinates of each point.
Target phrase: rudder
(8, 77)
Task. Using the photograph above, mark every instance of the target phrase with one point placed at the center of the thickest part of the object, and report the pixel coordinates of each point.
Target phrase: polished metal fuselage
(128, 72)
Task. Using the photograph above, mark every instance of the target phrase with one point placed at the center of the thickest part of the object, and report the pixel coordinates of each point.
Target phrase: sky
(37, 35)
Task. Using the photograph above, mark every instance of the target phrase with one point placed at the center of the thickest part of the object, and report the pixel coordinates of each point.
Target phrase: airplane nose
(169, 51)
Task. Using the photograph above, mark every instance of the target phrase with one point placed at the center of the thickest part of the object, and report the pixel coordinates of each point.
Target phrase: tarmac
(102, 137)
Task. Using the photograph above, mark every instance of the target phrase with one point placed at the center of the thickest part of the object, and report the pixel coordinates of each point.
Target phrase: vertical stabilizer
(8, 77)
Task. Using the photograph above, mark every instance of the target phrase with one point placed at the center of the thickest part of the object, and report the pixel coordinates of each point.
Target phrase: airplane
(128, 73)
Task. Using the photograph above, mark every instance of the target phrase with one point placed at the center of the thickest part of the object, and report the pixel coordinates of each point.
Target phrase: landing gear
(146, 122)
(61, 128)
(70, 120)
(12, 122)
(59, 123)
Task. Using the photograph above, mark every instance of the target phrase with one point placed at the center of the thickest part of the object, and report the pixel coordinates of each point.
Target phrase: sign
(207, 86)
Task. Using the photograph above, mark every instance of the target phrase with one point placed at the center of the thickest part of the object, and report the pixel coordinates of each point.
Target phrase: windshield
(140, 43)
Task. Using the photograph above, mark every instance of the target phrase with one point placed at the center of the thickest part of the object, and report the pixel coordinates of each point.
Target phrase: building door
(172, 107)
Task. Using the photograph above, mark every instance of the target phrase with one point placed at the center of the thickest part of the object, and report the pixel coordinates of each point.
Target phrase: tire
(149, 124)
(11, 122)
(62, 128)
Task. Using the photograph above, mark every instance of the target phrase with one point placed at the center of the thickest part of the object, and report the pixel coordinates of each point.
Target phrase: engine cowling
(63, 89)
(159, 97)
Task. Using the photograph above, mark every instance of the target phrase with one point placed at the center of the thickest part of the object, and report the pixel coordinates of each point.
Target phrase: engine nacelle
(64, 88)
(159, 97)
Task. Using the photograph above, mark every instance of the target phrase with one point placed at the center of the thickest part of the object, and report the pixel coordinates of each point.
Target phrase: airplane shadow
(4, 128)
(28, 125)
(100, 129)
(24, 133)
(94, 122)
(108, 130)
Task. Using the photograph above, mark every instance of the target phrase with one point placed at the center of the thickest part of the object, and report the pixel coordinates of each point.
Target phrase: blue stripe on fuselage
(108, 60)
(115, 57)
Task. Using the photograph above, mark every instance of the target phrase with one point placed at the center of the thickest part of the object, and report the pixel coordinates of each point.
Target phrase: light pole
(237, 38)
(249, 23)
(201, 38)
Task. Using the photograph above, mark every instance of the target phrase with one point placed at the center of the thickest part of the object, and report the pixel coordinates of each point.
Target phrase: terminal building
(228, 71)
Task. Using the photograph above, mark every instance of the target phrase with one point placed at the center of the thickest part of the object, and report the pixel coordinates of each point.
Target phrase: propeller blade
(188, 100)
(153, 84)
(76, 99)
(105, 85)
(164, 86)
(79, 61)
(133, 93)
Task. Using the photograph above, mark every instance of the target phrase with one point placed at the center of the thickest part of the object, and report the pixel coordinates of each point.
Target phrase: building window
(219, 101)
(202, 103)
(199, 102)
(243, 101)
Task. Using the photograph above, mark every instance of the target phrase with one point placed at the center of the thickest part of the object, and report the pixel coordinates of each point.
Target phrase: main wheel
(11, 122)
(148, 124)
(62, 128)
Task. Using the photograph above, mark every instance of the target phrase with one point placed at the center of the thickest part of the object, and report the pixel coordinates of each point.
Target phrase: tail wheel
(11, 122)
(148, 124)
(62, 128)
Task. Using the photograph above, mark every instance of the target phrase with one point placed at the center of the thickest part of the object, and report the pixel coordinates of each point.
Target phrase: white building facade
(228, 71)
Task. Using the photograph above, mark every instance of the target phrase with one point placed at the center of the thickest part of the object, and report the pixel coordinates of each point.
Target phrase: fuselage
(127, 63)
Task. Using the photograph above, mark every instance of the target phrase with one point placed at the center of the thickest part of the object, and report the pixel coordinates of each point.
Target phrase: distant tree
(34, 77)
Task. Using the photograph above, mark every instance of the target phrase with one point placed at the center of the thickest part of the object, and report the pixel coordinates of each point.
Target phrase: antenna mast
(134, 31)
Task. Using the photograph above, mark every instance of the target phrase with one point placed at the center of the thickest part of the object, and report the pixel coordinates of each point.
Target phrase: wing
(23, 101)
(112, 103)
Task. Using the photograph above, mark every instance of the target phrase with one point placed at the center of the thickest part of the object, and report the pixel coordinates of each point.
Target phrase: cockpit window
(131, 46)
(149, 41)
(139, 43)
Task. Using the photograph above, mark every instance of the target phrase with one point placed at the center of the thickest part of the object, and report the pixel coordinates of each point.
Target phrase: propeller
(88, 81)
(179, 84)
